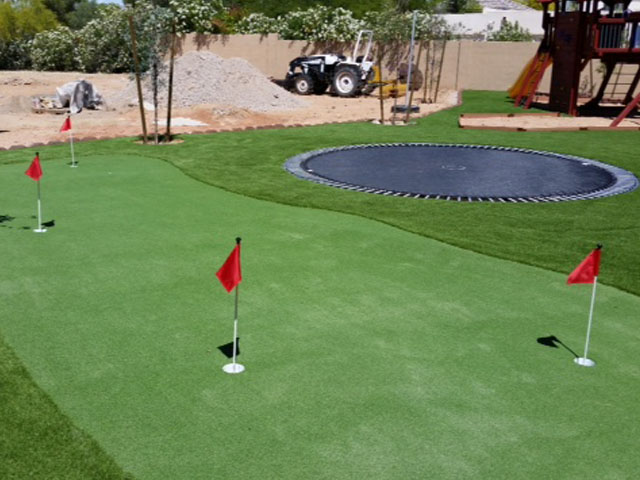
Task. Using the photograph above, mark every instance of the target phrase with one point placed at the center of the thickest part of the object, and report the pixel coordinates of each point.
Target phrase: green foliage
(319, 23)
(509, 32)
(461, 6)
(257, 23)
(55, 50)
(8, 22)
(337, 24)
(34, 17)
(14, 54)
(104, 43)
(196, 15)
(275, 8)
(82, 13)
(24, 19)
(60, 8)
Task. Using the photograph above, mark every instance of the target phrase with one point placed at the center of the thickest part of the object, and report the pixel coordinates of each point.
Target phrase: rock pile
(205, 78)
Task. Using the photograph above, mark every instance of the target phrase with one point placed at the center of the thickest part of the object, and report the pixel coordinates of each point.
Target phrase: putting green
(370, 352)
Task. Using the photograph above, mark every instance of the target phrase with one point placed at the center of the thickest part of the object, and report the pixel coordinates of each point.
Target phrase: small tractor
(347, 76)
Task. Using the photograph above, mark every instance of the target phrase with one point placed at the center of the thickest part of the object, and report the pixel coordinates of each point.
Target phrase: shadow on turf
(553, 341)
(227, 348)
(5, 221)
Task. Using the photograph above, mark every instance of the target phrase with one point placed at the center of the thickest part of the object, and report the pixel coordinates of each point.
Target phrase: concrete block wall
(467, 64)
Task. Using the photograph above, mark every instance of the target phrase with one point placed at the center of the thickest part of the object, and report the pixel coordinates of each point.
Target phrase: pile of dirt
(205, 78)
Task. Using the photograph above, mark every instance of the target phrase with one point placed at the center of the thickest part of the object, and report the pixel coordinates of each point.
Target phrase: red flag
(588, 270)
(66, 125)
(34, 170)
(230, 274)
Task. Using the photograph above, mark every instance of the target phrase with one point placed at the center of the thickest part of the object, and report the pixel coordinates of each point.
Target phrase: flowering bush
(257, 23)
(14, 55)
(316, 24)
(196, 15)
(104, 43)
(55, 50)
(319, 23)
(508, 32)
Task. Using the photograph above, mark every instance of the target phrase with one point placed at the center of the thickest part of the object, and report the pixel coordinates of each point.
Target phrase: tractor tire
(303, 84)
(346, 82)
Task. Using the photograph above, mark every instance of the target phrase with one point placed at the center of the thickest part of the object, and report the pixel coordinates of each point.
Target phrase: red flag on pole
(230, 274)
(66, 125)
(34, 171)
(588, 270)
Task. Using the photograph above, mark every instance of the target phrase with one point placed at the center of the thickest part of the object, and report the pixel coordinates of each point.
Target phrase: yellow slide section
(529, 72)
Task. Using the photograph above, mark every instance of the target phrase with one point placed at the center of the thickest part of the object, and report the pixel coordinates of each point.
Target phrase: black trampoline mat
(458, 171)
(454, 171)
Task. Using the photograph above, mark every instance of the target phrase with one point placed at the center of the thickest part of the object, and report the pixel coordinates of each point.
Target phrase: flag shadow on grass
(6, 219)
(227, 349)
(553, 341)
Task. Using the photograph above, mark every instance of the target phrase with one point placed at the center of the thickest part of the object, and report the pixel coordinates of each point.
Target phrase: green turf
(370, 351)
(550, 236)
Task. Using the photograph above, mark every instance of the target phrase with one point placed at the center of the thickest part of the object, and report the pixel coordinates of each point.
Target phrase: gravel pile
(205, 78)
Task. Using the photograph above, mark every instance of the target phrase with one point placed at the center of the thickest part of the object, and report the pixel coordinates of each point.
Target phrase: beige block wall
(467, 64)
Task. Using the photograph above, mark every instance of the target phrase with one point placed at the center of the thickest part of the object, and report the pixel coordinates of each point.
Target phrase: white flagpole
(235, 327)
(235, 367)
(39, 229)
(73, 157)
(585, 361)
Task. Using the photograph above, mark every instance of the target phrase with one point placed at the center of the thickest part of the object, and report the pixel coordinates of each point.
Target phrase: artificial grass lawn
(370, 351)
(552, 236)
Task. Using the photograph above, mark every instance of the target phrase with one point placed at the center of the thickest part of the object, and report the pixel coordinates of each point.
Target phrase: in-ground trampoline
(462, 172)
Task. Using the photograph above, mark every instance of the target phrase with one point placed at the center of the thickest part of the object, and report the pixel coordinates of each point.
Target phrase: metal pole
(73, 157)
(593, 298)
(408, 112)
(39, 209)
(413, 34)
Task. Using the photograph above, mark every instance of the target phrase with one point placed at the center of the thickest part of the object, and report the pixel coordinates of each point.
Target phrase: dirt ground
(20, 126)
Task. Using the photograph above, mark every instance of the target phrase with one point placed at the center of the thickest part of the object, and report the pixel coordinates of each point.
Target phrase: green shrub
(104, 43)
(509, 32)
(14, 55)
(55, 50)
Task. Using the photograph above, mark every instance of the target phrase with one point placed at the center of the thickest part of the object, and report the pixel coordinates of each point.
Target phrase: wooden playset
(575, 33)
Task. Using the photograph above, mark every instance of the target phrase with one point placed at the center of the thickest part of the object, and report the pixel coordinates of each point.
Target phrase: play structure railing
(617, 35)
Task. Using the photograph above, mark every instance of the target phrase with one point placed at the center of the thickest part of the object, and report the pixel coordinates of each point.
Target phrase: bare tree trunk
(444, 46)
(136, 63)
(380, 92)
(426, 72)
(154, 78)
(170, 97)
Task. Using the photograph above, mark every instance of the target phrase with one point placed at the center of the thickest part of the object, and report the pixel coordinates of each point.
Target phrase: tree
(509, 32)
(83, 12)
(32, 16)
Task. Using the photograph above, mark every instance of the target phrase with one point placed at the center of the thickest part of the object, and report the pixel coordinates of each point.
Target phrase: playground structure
(575, 33)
